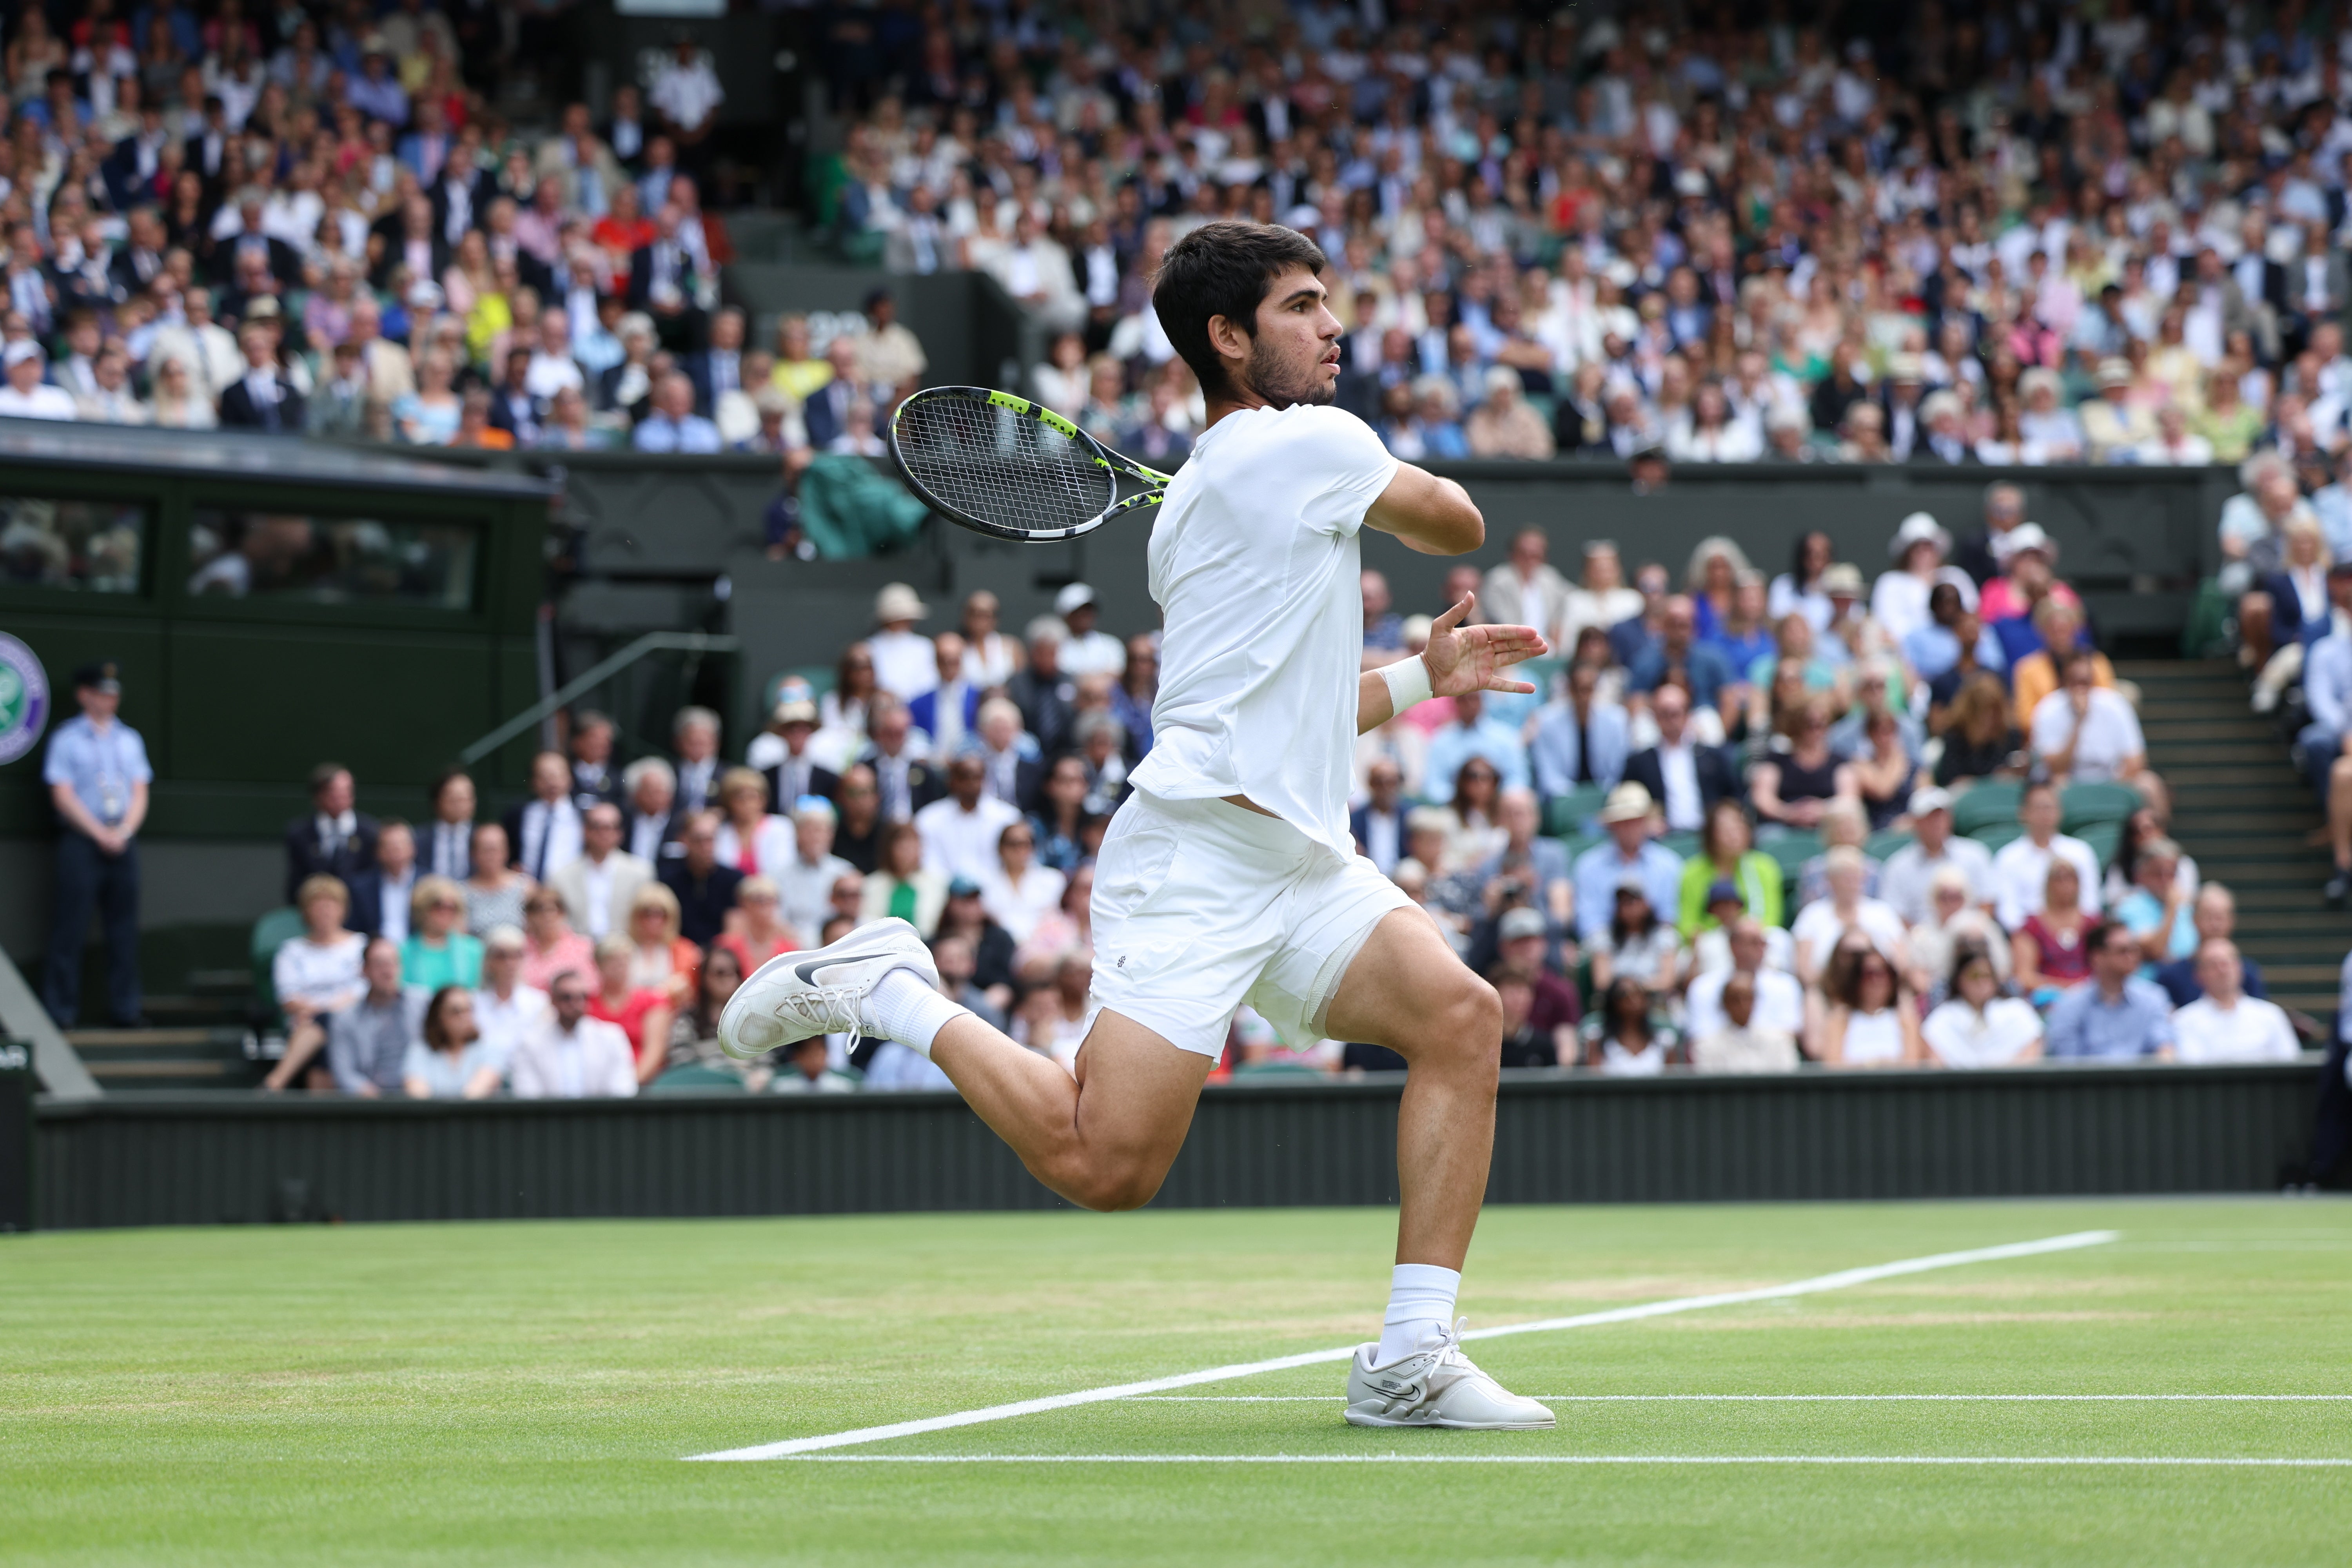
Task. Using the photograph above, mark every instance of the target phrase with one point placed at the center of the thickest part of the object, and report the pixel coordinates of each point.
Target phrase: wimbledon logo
(23, 698)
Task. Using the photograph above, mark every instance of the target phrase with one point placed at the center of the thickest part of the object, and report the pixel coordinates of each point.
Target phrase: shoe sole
(1357, 1419)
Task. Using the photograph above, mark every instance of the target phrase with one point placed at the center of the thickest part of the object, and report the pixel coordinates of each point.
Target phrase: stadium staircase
(198, 1033)
(2240, 809)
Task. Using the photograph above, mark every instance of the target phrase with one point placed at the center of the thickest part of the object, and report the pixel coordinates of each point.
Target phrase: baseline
(1768, 1398)
(1843, 1279)
(2156, 1460)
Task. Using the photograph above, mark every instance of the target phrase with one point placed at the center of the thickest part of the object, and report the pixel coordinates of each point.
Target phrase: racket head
(1004, 465)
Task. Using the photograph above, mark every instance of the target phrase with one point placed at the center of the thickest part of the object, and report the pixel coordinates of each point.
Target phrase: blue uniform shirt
(101, 768)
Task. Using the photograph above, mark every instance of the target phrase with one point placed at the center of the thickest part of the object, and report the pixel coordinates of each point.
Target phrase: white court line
(1841, 1280)
(1762, 1399)
(2168, 1460)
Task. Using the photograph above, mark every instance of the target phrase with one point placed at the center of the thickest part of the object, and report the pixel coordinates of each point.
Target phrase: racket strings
(1000, 466)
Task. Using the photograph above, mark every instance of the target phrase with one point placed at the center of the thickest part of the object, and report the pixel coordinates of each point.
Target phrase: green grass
(524, 1392)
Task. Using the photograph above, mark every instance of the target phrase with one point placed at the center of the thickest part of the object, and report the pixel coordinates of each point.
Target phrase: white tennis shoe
(1438, 1386)
(796, 994)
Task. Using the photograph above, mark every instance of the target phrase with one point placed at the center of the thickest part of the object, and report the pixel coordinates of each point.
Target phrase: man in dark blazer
(334, 840)
(718, 369)
(263, 399)
(798, 774)
(908, 782)
(1377, 824)
(705, 888)
(1683, 777)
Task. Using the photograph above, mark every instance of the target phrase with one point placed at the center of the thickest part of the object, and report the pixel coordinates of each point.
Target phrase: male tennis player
(1228, 876)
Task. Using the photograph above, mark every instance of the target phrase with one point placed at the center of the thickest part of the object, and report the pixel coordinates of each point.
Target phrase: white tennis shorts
(1200, 905)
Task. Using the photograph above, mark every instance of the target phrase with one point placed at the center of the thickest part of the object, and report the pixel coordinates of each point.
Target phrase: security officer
(98, 775)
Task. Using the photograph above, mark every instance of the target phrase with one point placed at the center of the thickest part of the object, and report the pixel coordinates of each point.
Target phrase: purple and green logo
(23, 698)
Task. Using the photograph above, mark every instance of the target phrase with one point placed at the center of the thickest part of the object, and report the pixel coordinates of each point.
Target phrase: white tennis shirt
(1255, 566)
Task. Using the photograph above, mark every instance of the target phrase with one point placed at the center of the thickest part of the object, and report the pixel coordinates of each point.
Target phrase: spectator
(2118, 1016)
(805, 1071)
(1977, 1025)
(368, 1041)
(649, 820)
(1009, 763)
(2215, 912)
(545, 830)
(2156, 911)
(447, 849)
(1677, 655)
(1600, 598)
(1726, 855)
(438, 951)
(902, 887)
(960, 833)
(1868, 1018)
(783, 754)
(593, 776)
(1953, 920)
(505, 1009)
(673, 425)
(1471, 732)
(549, 944)
(1821, 926)
(25, 396)
(1638, 943)
(598, 887)
(751, 840)
(494, 890)
(1979, 739)
(1742, 1045)
(1793, 788)
(994, 953)
(642, 1013)
(314, 976)
(705, 888)
(1018, 891)
(1580, 739)
(570, 1055)
(1087, 649)
(663, 961)
(1061, 933)
(1504, 426)
(2021, 868)
(1748, 951)
(1687, 779)
(948, 714)
(449, 1059)
(1906, 879)
(98, 776)
(1043, 690)
(804, 878)
(991, 658)
(2225, 1024)
(380, 898)
(2047, 947)
(760, 932)
(905, 661)
(1626, 1035)
(335, 840)
(1376, 826)
(1627, 819)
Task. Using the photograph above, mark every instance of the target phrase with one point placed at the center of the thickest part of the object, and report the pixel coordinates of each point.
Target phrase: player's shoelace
(820, 1011)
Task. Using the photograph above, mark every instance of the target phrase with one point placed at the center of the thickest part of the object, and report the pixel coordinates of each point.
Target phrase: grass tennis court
(525, 1392)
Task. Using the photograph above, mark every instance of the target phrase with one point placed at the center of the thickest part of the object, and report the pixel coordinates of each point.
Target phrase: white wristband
(1408, 683)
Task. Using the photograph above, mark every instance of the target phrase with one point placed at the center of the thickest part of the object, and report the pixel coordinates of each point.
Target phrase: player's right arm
(1433, 516)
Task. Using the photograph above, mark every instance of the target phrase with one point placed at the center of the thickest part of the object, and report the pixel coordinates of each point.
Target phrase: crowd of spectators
(1746, 821)
(2005, 233)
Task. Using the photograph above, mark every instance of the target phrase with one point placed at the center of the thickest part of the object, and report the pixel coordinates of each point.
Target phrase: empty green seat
(1571, 815)
(1685, 844)
(1885, 843)
(2105, 838)
(696, 1078)
(1986, 805)
(270, 932)
(2088, 806)
(1993, 835)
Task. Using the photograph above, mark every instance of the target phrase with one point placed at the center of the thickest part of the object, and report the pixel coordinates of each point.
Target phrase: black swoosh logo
(800, 971)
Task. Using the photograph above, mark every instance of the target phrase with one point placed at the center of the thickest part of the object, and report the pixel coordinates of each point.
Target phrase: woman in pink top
(549, 946)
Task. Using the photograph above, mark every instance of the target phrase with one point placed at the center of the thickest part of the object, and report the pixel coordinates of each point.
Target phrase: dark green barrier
(16, 1136)
(177, 1160)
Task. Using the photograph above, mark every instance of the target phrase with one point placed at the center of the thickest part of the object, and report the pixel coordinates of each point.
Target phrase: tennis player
(1228, 876)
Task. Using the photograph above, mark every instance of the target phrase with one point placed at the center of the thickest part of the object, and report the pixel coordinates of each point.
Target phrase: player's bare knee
(1115, 1186)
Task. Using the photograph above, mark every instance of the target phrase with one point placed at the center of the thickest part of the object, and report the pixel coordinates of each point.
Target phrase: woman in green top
(438, 951)
(900, 886)
(1725, 855)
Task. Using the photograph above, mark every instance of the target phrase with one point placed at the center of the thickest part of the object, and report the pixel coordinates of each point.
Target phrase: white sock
(907, 1008)
(1421, 1308)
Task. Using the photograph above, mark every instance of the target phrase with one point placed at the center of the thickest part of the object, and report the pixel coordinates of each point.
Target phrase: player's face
(1294, 355)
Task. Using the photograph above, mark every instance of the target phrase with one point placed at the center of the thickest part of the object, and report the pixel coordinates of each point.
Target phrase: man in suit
(593, 776)
(543, 833)
(663, 281)
(139, 262)
(705, 887)
(908, 780)
(825, 413)
(1579, 740)
(597, 886)
(250, 237)
(1010, 770)
(693, 732)
(718, 369)
(1377, 824)
(334, 840)
(461, 195)
(1525, 585)
(948, 712)
(1686, 778)
(381, 893)
(651, 822)
(130, 169)
(797, 774)
(211, 151)
(262, 399)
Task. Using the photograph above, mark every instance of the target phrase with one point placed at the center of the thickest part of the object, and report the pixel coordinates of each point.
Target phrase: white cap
(18, 352)
(1073, 596)
(897, 602)
(1919, 527)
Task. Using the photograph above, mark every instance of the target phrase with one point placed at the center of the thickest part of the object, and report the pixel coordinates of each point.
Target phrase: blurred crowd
(2002, 234)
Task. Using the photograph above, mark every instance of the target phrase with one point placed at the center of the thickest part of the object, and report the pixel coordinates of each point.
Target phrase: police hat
(98, 675)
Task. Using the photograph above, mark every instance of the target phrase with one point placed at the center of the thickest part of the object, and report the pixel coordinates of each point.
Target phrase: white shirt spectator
(551, 837)
(1818, 924)
(326, 977)
(960, 843)
(1905, 879)
(687, 94)
(44, 402)
(772, 846)
(1711, 950)
(2110, 733)
(1019, 908)
(591, 1061)
(1679, 771)
(2021, 870)
(1962, 1037)
(505, 1024)
(905, 664)
(805, 891)
(392, 911)
(1096, 653)
(1780, 1003)
(2252, 1031)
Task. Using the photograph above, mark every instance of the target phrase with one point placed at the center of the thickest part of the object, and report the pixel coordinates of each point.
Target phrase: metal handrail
(652, 642)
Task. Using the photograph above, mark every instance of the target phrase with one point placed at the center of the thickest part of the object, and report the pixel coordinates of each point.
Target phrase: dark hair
(324, 774)
(1707, 835)
(436, 1034)
(1842, 981)
(441, 781)
(706, 1012)
(1622, 989)
(1797, 556)
(2095, 938)
(1966, 952)
(1223, 269)
(1944, 606)
(1618, 928)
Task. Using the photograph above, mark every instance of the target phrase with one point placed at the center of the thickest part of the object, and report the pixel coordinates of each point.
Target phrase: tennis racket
(1003, 466)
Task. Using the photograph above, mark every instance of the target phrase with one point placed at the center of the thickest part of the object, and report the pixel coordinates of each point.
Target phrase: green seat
(1685, 844)
(1570, 815)
(1885, 843)
(696, 1078)
(1989, 803)
(1993, 835)
(2105, 838)
(270, 932)
(2090, 805)
(1265, 1070)
(1576, 844)
(1791, 850)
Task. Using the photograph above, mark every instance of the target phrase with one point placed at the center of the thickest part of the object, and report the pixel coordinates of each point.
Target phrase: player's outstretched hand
(1473, 658)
